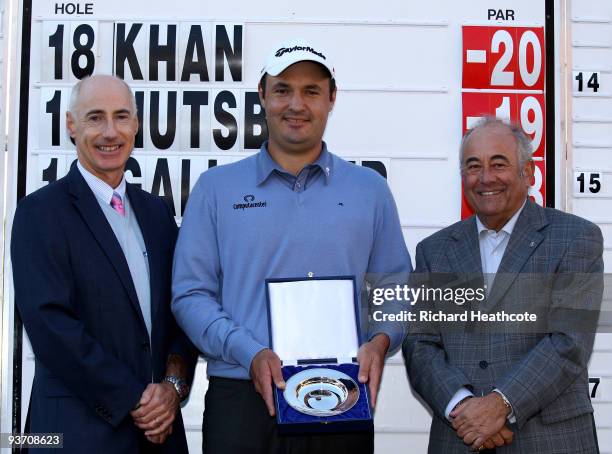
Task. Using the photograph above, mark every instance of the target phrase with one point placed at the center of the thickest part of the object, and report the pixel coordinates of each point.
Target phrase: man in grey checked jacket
(508, 386)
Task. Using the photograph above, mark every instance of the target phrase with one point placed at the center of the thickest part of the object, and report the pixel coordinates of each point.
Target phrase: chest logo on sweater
(249, 202)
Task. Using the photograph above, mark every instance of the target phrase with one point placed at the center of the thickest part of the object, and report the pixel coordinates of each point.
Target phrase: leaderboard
(504, 76)
(194, 109)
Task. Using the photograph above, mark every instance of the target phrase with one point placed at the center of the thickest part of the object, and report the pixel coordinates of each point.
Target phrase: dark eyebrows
(496, 157)
(314, 87)
(280, 84)
(499, 157)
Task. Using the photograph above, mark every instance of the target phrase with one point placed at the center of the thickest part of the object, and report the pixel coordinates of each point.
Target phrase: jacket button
(145, 346)
(483, 364)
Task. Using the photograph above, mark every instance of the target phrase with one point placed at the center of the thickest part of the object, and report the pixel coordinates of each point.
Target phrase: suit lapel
(463, 254)
(524, 240)
(147, 226)
(86, 203)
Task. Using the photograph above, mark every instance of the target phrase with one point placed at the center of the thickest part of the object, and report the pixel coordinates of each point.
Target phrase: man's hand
(501, 438)
(371, 359)
(159, 439)
(479, 419)
(265, 368)
(156, 411)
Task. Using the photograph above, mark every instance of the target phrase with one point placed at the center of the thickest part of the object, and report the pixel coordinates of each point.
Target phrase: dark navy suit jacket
(78, 303)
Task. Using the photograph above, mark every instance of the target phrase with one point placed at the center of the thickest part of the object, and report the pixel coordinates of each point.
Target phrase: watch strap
(180, 385)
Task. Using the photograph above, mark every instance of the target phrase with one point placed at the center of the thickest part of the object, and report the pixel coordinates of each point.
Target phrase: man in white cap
(293, 209)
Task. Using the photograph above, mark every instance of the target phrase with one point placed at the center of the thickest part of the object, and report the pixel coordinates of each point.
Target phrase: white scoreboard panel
(3, 80)
(401, 109)
(589, 167)
(4, 345)
(4, 55)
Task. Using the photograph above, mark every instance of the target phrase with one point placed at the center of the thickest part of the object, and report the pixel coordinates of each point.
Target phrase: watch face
(180, 385)
(182, 388)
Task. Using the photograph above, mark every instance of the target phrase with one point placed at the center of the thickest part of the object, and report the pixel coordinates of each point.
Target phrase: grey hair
(524, 148)
(76, 92)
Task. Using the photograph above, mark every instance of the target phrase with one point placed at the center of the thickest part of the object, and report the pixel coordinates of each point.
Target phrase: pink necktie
(117, 204)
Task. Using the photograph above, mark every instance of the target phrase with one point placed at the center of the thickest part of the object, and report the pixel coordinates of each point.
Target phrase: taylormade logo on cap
(292, 52)
(283, 50)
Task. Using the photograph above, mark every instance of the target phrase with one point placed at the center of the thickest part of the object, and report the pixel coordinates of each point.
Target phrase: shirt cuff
(511, 418)
(395, 338)
(244, 348)
(458, 397)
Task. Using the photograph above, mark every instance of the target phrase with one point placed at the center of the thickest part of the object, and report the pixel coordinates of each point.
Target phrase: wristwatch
(507, 403)
(180, 385)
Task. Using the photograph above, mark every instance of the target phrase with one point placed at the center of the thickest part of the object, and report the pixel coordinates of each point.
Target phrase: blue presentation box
(314, 325)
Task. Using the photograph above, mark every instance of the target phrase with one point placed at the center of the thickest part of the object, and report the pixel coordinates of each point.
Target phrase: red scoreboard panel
(524, 109)
(503, 58)
(503, 76)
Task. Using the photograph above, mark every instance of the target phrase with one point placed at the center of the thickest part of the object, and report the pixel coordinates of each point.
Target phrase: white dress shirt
(492, 247)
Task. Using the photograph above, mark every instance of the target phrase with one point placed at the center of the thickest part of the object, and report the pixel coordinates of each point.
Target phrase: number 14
(593, 82)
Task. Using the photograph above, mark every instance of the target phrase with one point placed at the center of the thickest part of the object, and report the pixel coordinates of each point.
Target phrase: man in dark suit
(510, 387)
(92, 260)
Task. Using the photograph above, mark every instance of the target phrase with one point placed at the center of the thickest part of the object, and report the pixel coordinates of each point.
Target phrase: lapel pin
(532, 244)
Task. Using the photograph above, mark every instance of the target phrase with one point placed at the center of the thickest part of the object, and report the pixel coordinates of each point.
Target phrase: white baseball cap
(292, 52)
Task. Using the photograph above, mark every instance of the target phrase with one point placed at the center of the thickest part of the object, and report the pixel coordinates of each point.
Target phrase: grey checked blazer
(553, 264)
